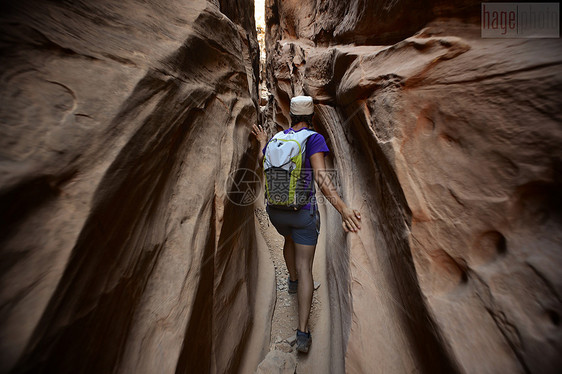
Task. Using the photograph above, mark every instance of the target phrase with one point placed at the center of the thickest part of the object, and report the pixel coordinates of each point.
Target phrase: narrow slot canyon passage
(282, 353)
(134, 232)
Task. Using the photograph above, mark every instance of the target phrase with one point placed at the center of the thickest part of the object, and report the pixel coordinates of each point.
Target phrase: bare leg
(289, 254)
(304, 258)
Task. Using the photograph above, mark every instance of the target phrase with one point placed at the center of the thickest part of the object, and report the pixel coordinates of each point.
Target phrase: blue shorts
(303, 226)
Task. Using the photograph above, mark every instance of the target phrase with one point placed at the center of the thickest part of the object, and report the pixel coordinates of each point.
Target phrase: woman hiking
(299, 223)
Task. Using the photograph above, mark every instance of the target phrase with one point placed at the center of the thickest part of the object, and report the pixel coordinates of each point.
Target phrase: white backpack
(283, 161)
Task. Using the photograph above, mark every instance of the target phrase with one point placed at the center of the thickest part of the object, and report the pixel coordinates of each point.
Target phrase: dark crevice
(547, 283)
(554, 317)
(21, 201)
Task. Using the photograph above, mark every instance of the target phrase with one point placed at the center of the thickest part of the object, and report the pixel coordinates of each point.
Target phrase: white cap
(302, 105)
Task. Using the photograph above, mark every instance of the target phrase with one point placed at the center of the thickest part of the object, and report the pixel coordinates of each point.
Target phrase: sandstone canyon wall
(127, 244)
(451, 147)
(121, 122)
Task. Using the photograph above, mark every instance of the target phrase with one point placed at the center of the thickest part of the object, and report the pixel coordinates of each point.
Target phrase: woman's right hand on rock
(259, 133)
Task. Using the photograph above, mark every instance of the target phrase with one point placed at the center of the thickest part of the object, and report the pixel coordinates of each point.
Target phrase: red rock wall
(450, 145)
(121, 123)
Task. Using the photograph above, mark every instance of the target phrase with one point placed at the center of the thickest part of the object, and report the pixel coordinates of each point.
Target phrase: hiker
(295, 213)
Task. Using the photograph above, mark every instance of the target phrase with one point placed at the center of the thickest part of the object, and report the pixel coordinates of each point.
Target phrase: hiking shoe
(303, 341)
(292, 285)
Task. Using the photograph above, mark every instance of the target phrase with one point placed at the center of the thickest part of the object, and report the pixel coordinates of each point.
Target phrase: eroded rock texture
(450, 145)
(121, 122)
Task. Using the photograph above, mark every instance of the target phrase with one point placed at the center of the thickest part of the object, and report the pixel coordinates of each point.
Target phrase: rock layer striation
(124, 125)
(450, 146)
(129, 241)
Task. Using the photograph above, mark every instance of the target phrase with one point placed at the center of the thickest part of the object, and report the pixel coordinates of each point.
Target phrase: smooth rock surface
(450, 145)
(123, 125)
(277, 362)
(129, 245)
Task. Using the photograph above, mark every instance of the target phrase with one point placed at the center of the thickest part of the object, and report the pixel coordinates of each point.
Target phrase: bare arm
(350, 217)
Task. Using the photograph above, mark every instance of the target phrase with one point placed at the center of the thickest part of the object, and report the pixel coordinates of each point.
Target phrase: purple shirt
(314, 144)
